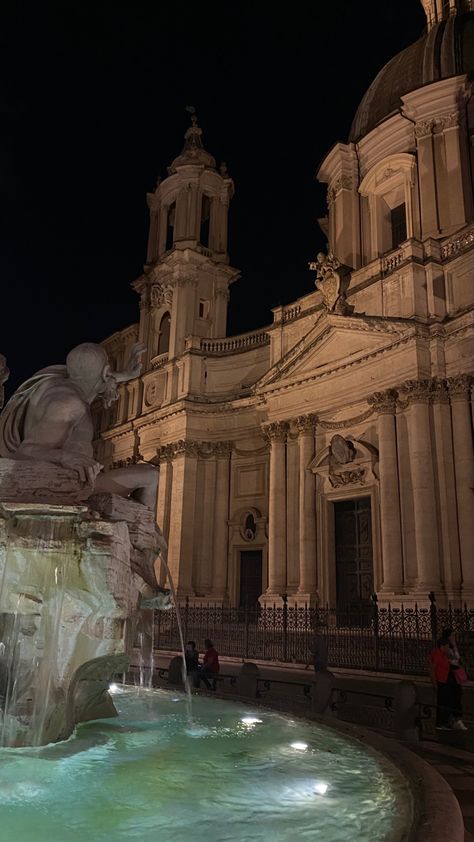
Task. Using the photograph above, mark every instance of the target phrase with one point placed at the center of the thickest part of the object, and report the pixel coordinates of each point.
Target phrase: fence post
(433, 616)
(375, 618)
(285, 627)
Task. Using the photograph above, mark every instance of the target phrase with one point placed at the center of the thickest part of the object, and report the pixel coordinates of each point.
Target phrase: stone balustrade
(456, 244)
(235, 344)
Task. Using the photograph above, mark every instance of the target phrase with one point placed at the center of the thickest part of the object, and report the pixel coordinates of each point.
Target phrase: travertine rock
(67, 590)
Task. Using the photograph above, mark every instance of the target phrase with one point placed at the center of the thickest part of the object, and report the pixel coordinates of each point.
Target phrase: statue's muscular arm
(52, 426)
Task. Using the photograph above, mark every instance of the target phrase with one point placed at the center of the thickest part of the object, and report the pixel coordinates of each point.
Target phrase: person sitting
(192, 662)
(210, 665)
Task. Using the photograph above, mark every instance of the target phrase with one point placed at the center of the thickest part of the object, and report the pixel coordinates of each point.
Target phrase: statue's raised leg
(137, 481)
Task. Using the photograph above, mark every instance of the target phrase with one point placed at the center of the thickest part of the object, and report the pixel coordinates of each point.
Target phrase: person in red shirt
(440, 675)
(210, 665)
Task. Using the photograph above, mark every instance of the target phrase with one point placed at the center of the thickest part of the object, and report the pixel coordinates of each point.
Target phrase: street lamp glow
(114, 688)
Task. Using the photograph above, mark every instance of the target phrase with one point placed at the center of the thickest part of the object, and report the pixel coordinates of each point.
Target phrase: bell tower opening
(205, 221)
(170, 219)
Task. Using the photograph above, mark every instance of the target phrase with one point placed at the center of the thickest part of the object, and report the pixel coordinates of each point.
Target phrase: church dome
(447, 49)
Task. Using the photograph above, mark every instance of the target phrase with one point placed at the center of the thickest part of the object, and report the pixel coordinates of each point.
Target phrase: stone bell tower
(184, 290)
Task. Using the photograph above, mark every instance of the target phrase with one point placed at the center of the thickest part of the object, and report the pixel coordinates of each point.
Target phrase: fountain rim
(437, 815)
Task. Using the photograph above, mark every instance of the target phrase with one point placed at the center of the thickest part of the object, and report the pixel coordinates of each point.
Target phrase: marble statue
(79, 549)
(48, 419)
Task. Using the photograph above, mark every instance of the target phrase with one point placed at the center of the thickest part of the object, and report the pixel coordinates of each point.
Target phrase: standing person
(192, 662)
(457, 676)
(440, 670)
(210, 665)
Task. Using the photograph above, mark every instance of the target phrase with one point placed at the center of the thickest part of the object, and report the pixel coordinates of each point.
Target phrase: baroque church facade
(328, 456)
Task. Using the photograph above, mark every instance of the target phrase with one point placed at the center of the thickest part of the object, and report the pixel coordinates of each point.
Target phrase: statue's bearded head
(89, 368)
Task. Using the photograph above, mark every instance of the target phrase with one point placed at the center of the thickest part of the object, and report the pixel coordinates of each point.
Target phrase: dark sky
(93, 97)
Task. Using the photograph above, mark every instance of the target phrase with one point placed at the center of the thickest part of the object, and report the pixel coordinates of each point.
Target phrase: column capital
(417, 391)
(439, 392)
(384, 402)
(276, 431)
(306, 423)
(223, 449)
(168, 452)
(424, 128)
(459, 385)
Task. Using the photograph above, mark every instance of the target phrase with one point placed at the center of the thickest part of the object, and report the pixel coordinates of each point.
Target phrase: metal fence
(371, 638)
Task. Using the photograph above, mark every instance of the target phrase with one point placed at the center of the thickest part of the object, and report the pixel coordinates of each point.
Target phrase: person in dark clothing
(456, 689)
(192, 662)
(210, 665)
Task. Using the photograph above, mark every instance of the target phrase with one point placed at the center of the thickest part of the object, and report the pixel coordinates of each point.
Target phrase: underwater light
(299, 746)
(320, 788)
(250, 720)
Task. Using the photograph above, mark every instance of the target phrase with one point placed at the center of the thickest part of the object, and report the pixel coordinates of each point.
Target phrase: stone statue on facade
(332, 280)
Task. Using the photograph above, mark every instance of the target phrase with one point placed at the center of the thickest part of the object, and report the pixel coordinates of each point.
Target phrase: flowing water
(239, 774)
(186, 681)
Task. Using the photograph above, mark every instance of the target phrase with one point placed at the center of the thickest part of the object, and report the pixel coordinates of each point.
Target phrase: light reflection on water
(149, 776)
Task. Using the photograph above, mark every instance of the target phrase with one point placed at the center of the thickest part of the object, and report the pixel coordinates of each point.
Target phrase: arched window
(205, 221)
(164, 334)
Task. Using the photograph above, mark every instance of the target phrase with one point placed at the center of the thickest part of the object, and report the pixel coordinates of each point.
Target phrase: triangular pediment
(334, 341)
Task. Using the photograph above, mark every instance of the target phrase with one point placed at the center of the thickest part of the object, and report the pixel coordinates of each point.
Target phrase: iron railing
(370, 638)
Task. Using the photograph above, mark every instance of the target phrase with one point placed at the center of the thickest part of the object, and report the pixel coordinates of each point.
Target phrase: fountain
(77, 552)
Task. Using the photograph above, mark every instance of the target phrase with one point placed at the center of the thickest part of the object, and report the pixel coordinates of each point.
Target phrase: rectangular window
(398, 222)
(203, 309)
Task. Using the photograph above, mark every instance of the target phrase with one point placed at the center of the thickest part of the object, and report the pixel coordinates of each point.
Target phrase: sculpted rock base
(67, 587)
(40, 482)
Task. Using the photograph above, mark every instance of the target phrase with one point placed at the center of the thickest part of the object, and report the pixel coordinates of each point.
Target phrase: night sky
(93, 98)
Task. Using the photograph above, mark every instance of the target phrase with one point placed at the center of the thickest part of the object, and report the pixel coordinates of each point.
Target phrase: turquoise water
(149, 776)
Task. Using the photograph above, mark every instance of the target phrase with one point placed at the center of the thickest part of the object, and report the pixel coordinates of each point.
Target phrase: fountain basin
(237, 773)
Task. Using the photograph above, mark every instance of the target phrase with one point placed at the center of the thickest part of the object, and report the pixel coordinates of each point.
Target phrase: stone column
(221, 301)
(422, 478)
(221, 516)
(392, 553)
(444, 462)
(427, 179)
(459, 393)
(181, 535)
(276, 433)
(307, 590)
(454, 166)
